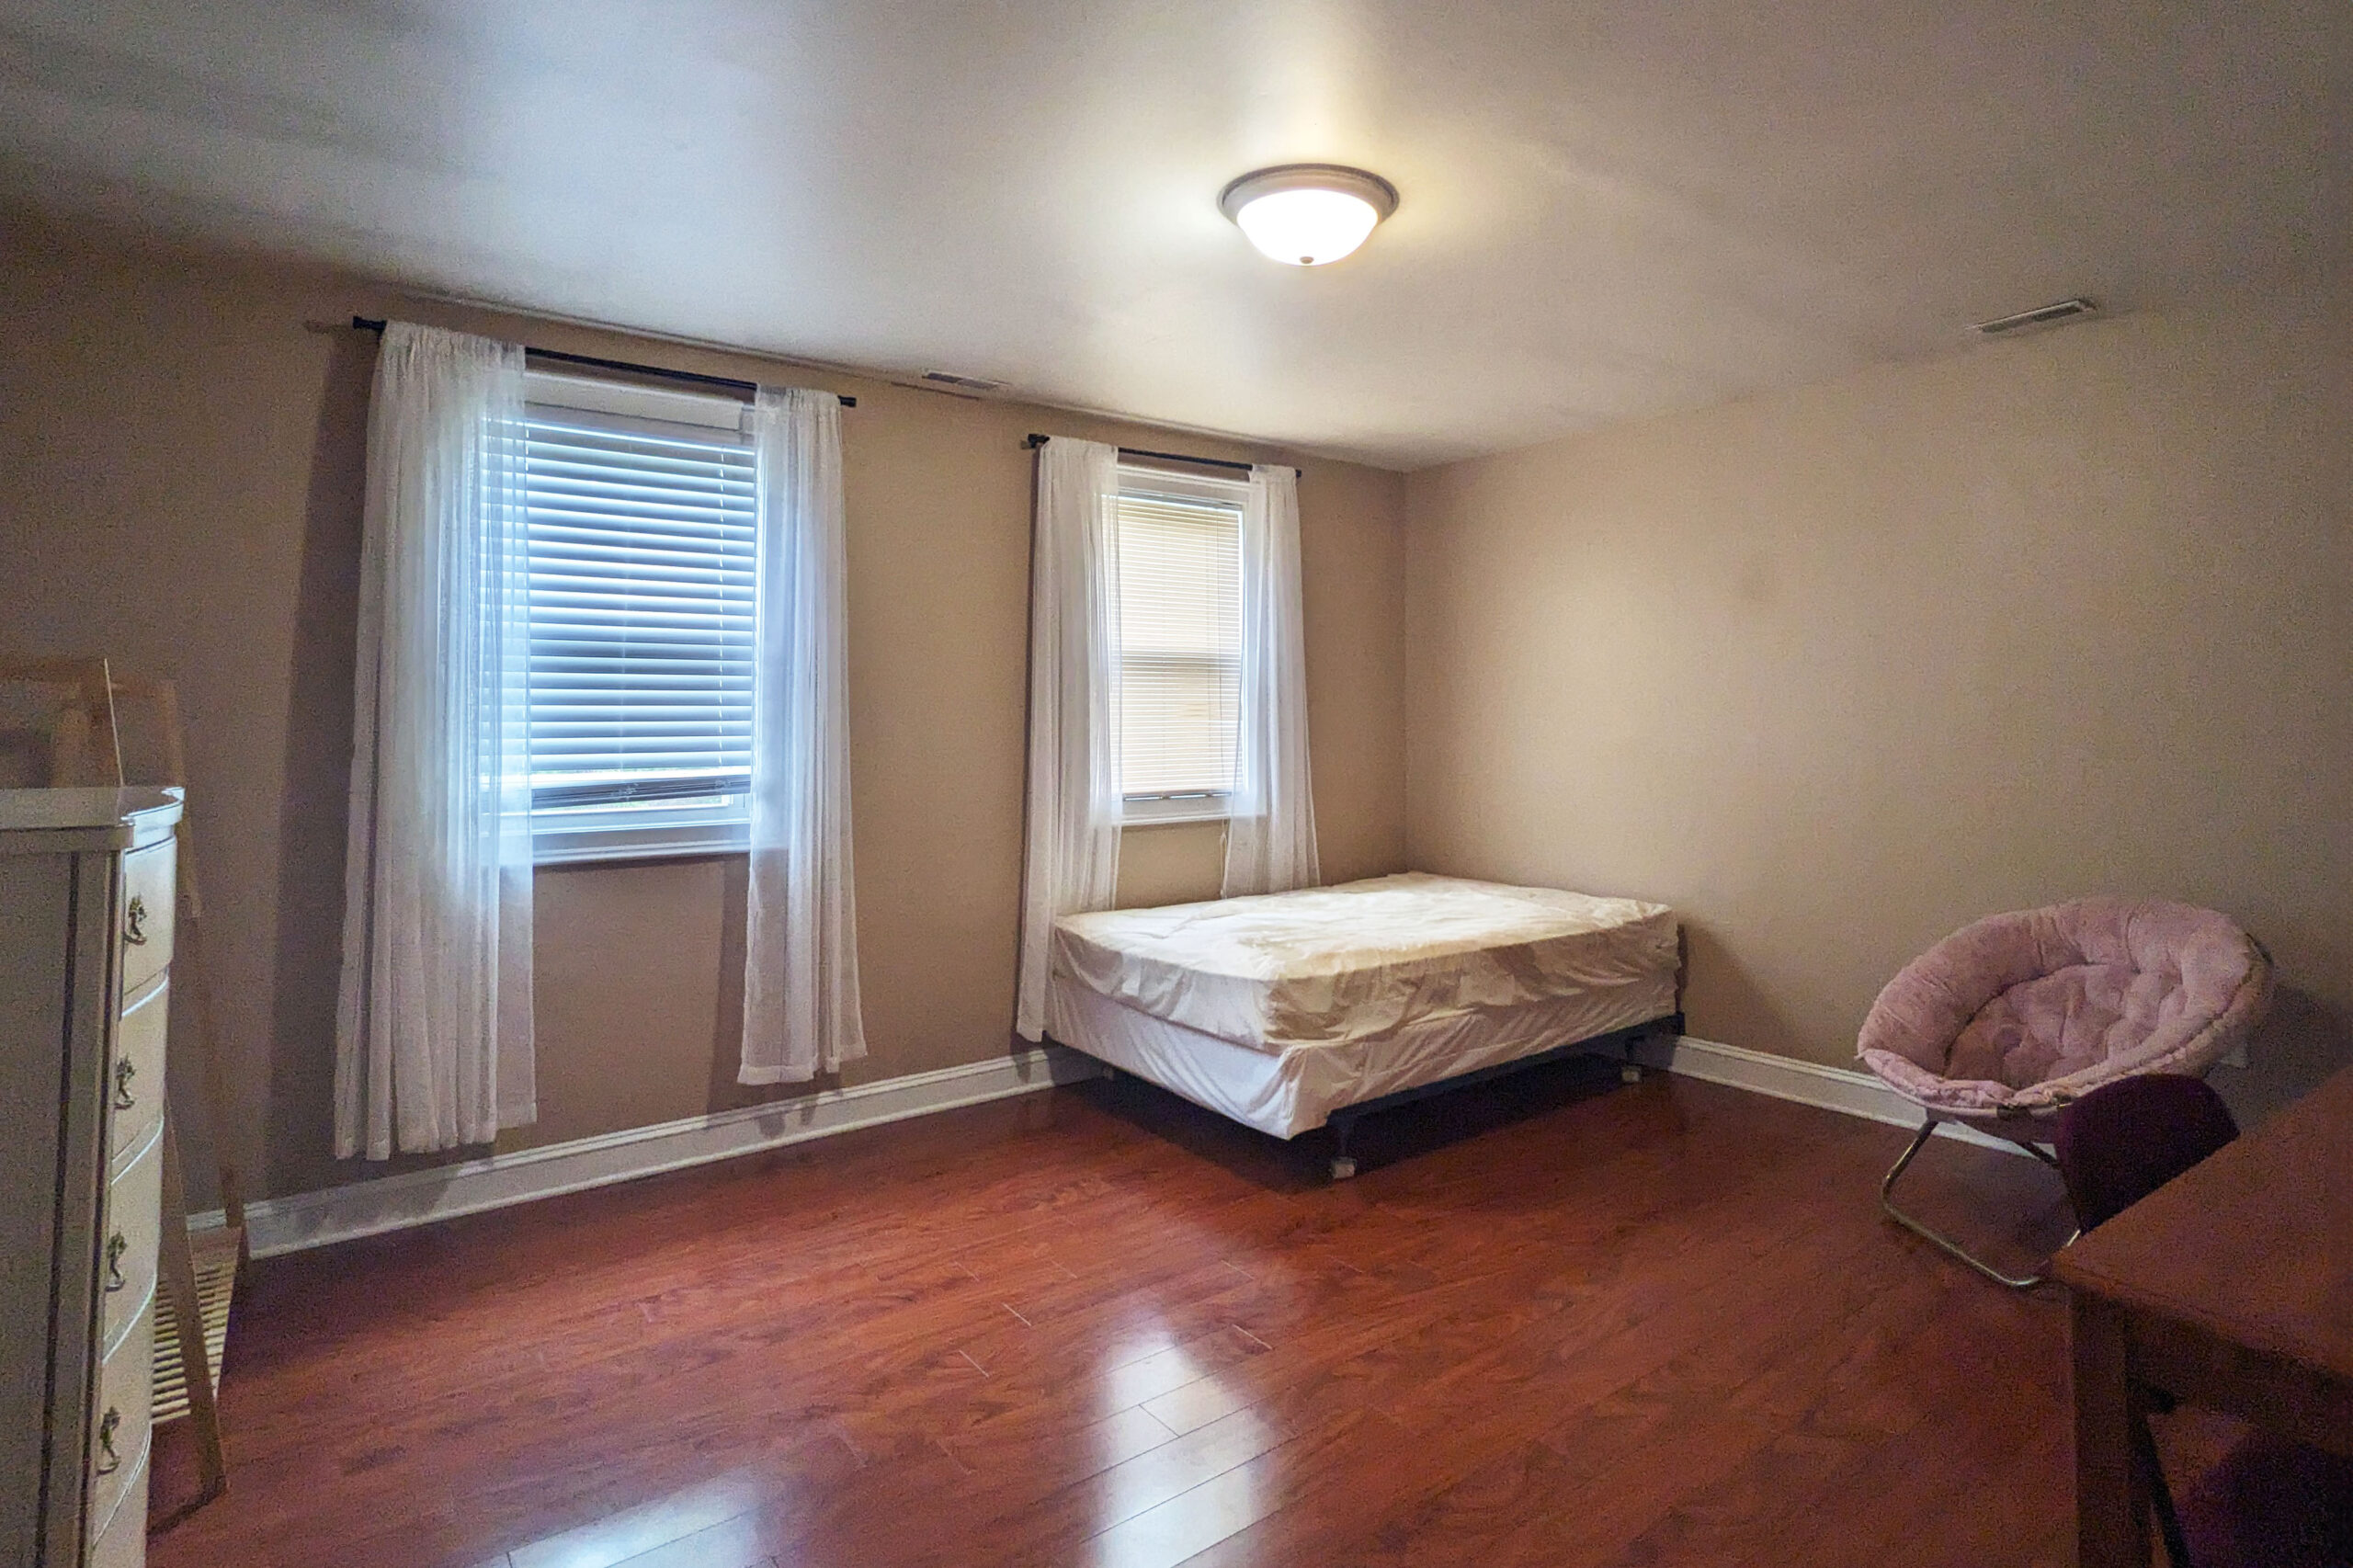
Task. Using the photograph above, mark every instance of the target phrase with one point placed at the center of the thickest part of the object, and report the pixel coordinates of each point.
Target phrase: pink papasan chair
(2006, 1022)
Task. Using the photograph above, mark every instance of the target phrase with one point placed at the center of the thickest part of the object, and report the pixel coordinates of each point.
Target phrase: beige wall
(1837, 671)
(181, 439)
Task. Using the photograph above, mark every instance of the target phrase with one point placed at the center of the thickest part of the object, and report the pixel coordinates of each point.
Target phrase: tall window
(642, 602)
(1180, 642)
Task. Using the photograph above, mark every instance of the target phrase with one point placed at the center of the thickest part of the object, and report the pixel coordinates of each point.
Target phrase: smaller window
(642, 539)
(1180, 644)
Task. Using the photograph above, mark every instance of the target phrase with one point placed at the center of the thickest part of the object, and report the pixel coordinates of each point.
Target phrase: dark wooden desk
(2231, 1288)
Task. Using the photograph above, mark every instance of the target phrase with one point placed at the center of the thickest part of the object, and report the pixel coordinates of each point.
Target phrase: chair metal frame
(2024, 1128)
(1937, 1238)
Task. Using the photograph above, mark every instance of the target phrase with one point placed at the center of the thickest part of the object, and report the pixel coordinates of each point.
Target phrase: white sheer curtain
(433, 1022)
(1270, 837)
(1072, 849)
(800, 1010)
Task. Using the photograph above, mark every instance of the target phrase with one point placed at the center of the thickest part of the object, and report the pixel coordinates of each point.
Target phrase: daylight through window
(642, 602)
(1180, 642)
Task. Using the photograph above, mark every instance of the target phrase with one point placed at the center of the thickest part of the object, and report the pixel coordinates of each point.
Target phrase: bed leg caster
(1344, 1132)
(1629, 1072)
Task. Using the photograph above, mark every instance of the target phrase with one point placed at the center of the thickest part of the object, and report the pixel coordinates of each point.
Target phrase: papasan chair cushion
(2021, 1013)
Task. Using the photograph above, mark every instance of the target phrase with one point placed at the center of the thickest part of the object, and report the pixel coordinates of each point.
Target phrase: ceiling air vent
(962, 383)
(2041, 315)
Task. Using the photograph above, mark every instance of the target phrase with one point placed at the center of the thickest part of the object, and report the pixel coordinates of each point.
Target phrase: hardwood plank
(1564, 1323)
(1195, 1521)
(710, 1514)
(1658, 1435)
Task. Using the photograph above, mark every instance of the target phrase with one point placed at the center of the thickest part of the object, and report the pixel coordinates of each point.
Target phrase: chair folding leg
(2152, 1477)
(1938, 1239)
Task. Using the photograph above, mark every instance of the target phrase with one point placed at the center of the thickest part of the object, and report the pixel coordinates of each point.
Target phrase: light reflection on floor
(724, 1507)
(1159, 1509)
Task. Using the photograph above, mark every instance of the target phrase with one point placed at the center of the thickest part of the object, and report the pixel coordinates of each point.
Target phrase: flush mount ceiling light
(1307, 214)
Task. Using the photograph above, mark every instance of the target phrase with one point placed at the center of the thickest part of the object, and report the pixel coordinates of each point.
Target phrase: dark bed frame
(1343, 1122)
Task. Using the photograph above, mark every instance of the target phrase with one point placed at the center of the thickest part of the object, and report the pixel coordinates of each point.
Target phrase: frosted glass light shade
(1307, 214)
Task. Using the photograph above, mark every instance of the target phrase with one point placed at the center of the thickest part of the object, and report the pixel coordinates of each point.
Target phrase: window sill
(605, 845)
(1176, 811)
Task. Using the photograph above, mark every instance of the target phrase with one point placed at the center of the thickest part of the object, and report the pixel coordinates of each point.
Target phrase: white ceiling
(1608, 208)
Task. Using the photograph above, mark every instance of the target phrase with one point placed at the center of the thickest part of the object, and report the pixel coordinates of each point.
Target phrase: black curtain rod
(1033, 441)
(363, 324)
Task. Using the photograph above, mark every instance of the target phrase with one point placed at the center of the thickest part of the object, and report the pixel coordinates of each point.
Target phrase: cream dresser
(86, 903)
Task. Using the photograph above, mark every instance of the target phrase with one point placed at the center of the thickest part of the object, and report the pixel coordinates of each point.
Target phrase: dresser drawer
(133, 1220)
(119, 1433)
(135, 1086)
(149, 877)
(122, 1540)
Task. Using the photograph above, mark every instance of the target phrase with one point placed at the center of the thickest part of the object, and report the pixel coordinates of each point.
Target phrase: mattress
(1361, 961)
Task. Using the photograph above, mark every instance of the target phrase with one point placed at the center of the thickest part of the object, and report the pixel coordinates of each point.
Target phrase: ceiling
(1610, 210)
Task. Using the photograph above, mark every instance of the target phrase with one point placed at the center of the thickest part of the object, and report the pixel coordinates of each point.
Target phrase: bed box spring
(1292, 1091)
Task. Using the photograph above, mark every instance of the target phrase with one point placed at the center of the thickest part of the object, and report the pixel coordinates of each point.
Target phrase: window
(1180, 642)
(643, 599)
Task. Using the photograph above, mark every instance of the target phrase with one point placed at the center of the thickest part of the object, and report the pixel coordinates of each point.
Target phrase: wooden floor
(1557, 1322)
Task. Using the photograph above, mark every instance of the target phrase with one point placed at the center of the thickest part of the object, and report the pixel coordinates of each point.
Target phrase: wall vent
(964, 383)
(2041, 315)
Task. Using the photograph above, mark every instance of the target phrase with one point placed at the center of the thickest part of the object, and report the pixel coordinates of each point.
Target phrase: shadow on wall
(727, 984)
(2303, 1041)
(723, 1092)
(1722, 1001)
(311, 805)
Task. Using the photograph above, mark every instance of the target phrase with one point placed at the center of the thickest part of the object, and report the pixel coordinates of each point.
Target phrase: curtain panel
(1071, 851)
(432, 1018)
(1270, 834)
(801, 1001)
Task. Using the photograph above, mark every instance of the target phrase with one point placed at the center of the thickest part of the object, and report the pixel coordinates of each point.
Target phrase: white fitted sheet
(1289, 1091)
(1361, 961)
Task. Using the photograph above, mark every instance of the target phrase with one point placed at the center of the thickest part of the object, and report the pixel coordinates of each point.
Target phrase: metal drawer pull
(116, 1247)
(106, 1425)
(124, 1068)
(135, 922)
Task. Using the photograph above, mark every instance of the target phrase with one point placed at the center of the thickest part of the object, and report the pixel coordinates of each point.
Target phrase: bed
(1292, 1011)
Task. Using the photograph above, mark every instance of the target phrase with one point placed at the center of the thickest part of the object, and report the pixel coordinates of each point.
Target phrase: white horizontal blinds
(1180, 644)
(641, 609)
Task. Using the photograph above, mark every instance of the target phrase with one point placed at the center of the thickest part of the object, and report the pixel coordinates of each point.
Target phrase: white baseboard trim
(418, 1198)
(1842, 1089)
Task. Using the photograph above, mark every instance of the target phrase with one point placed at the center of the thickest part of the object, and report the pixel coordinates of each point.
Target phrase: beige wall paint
(1837, 671)
(181, 442)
